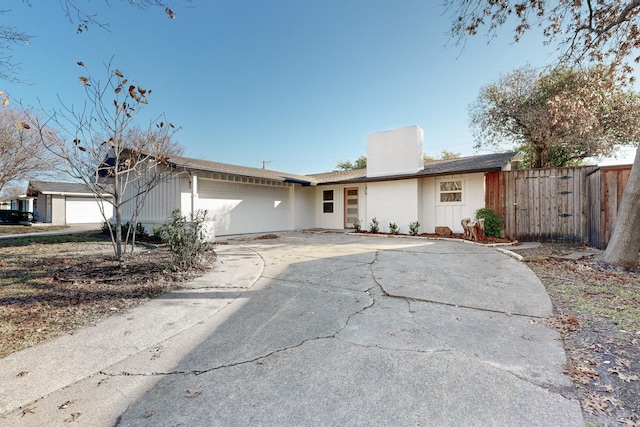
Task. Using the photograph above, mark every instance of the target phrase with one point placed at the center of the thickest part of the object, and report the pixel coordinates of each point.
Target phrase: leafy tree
(21, 153)
(558, 117)
(359, 163)
(586, 31)
(118, 160)
(444, 155)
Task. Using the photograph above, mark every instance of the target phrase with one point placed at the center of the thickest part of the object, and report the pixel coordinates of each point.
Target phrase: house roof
(62, 188)
(206, 165)
(472, 164)
(481, 163)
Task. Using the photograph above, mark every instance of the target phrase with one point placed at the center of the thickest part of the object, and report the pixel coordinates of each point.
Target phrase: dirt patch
(597, 311)
(267, 237)
(50, 286)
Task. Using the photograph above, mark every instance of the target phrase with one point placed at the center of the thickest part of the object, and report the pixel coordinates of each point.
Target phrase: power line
(264, 163)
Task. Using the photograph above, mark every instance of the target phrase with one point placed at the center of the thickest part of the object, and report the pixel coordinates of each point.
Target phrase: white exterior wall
(393, 201)
(84, 210)
(449, 214)
(159, 203)
(335, 220)
(239, 208)
(395, 152)
(58, 211)
(304, 207)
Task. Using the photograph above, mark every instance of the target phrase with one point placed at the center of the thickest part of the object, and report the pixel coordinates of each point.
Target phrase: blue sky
(298, 83)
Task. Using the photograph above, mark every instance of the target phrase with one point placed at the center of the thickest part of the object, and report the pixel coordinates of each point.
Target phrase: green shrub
(185, 237)
(104, 228)
(413, 228)
(393, 228)
(492, 222)
(374, 226)
(357, 225)
(124, 229)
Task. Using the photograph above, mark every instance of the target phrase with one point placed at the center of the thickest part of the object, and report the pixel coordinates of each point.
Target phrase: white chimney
(395, 152)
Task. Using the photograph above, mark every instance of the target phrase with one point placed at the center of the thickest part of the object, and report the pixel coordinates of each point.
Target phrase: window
(327, 201)
(450, 191)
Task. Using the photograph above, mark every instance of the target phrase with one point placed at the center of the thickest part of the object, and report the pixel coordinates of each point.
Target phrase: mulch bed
(51, 289)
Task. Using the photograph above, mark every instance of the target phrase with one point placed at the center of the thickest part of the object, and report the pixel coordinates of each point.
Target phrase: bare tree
(606, 32)
(76, 12)
(21, 151)
(13, 190)
(588, 30)
(117, 159)
(9, 36)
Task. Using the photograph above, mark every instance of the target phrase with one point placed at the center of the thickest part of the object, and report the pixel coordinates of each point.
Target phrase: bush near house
(374, 226)
(393, 228)
(186, 237)
(413, 228)
(492, 222)
(15, 217)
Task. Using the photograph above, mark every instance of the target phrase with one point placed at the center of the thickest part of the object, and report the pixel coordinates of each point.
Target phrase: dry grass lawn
(52, 285)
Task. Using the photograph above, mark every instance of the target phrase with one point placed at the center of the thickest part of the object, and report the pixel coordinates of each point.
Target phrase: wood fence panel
(595, 213)
(543, 204)
(606, 187)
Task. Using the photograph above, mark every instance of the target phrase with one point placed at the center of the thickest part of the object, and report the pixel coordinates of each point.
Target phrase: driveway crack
(257, 359)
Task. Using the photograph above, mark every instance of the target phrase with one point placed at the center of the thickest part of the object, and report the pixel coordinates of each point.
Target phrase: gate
(542, 204)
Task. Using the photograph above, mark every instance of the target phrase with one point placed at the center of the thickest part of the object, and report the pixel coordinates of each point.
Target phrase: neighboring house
(397, 186)
(62, 203)
(17, 203)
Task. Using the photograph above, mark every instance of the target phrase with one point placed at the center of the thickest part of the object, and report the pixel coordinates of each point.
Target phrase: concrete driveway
(313, 329)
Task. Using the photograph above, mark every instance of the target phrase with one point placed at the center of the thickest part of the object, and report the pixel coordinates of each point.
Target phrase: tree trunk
(538, 161)
(624, 244)
(118, 248)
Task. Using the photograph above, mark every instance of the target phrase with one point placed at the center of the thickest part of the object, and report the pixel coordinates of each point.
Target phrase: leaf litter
(47, 290)
(597, 312)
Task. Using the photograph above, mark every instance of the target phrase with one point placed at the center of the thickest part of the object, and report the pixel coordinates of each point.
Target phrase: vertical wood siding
(605, 189)
(542, 204)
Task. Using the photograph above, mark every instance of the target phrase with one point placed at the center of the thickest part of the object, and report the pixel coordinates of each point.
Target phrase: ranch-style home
(60, 203)
(397, 186)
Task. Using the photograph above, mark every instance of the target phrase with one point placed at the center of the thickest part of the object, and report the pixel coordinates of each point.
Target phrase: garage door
(83, 210)
(245, 208)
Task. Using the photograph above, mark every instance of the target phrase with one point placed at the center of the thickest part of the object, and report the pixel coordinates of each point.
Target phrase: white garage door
(245, 208)
(84, 210)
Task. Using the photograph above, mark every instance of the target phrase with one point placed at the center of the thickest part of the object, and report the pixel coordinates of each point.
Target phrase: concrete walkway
(43, 230)
(313, 329)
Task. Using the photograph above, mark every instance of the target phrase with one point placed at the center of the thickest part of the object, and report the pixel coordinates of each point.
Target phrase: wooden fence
(605, 189)
(558, 204)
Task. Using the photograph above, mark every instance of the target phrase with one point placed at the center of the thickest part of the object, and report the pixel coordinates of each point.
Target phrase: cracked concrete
(314, 329)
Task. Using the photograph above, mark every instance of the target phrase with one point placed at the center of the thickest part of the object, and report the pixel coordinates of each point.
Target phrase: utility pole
(264, 163)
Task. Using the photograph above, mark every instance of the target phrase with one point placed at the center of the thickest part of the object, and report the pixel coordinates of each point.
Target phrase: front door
(350, 206)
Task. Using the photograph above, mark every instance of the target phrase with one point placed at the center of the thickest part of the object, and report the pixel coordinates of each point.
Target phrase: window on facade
(327, 201)
(450, 191)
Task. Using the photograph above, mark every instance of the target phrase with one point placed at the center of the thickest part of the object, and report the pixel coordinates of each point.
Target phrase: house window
(450, 191)
(327, 201)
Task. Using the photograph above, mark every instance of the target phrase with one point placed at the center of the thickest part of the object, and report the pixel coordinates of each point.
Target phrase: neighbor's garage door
(81, 210)
(245, 208)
